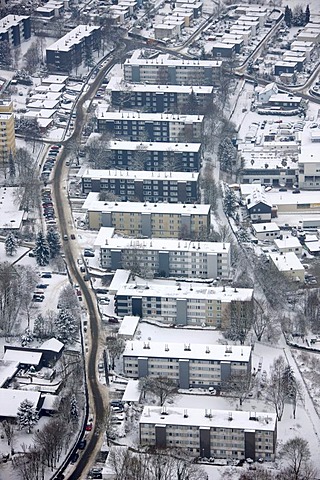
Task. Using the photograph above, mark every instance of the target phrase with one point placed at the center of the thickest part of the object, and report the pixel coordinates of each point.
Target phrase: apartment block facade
(189, 365)
(71, 50)
(164, 70)
(153, 127)
(7, 133)
(156, 156)
(14, 29)
(171, 187)
(167, 257)
(184, 303)
(158, 98)
(309, 172)
(210, 433)
(149, 219)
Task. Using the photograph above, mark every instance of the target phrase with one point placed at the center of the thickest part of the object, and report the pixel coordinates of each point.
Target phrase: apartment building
(210, 433)
(189, 365)
(166, 257)
(71, 50)
(184, 303)
(130, 185)
(14, 29)
(153, 127)
(164, 70)
(156, 156)
(149, 219)
(158, 98)
(309, 171)
(7, 133)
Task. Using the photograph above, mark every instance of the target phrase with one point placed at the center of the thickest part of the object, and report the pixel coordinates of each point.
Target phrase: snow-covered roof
(256, 197)
(128, 326)
(163, 244)
(209, 418)
(313, 247)
(164, 59)
(72, 38)
(52, 87)
(8, 370)
(287, 198)
(59, 79)
(172, 289)
(104, 234)
(139, 175)
(288, 242)
(154, 146)
(284, 97)
(10, 400)
(132, 392)
(120, 278)
(49, 402)
(93, 204)
(46, 104)
(265, 227)
(117, 83)
(285, 262)
(103, 114)
(190, 351)
(10, 214)
(52, 345)
(23, 356)
(11, 21)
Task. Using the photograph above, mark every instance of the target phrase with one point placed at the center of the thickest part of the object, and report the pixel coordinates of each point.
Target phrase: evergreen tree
(41, 250)
(298, 16)
(74, 409)
(39, 326)
(229, 202)
(10, 244)
(66, 327)
(227, 155)
(288, 16)
(53, 239)
(307, 15)
(12, 167)
(27, 416)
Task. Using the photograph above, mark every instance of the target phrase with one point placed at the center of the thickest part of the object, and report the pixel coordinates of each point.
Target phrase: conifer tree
(10, 244)
(42, 250)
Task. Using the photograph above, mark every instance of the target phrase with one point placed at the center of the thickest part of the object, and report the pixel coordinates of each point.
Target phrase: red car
(89, 427)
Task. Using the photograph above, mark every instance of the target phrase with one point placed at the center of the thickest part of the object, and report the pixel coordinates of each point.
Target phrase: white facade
(289, 244)
(266, 231)
(189, 365)
(288, 264)
(210, 433)
(167, 257)
(309, 171)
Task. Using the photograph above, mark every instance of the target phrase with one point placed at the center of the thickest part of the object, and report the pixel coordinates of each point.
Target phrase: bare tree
(51, 440)
(163, 388)
(240, 385)
(276, 393)
(239, 321)
(209, 187)
(261, 319)
(9, 428)
(115, 348)
(296, 453)
(30, 464)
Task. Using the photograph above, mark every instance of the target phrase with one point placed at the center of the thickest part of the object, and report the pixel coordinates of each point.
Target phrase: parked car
(82, 444)
(88, 253)
(74, 458)
(89, 427)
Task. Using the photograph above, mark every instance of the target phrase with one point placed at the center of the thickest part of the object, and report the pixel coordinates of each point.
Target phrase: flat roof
(22, 356)
(287, 198)
(173, 289)
(155, 146)
(265, 227)
(10, 215)
(128, 325)
(10, 21)
(138, 175)
(93, 204)
(164, 244)
(120, 278)
(104, 234)
(117, 83)
(284, 97)
(10, 400)
(287, 242)
(132, 392)
(165, 60)
(7, 370)
(72, 38)
(57, 79)
(103, 114)
(200, 417)
(52, 345)
(285, 262)
(190, 351)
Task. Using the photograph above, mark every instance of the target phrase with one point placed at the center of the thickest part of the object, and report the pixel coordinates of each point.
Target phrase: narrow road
(97, 394)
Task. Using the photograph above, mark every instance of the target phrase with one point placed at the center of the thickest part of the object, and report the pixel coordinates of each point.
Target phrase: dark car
(113, 320)
(296, 191)
(46, 275)
(88, 253)
(42, 285)
(72, 236)
(282, 189)
(82, 444)
(74, 458)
